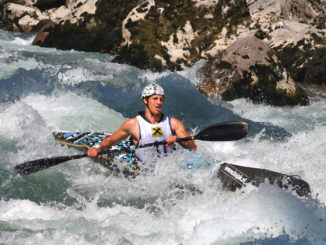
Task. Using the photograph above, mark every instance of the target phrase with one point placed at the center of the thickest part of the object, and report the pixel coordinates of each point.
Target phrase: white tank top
(151, 133)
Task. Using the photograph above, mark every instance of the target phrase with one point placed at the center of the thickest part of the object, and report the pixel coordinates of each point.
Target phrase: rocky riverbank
(259, 49)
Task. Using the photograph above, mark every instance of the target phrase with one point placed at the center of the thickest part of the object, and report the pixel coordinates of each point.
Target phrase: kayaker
(148, 127)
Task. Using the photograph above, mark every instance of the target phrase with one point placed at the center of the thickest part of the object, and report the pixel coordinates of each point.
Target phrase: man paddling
(149, 127)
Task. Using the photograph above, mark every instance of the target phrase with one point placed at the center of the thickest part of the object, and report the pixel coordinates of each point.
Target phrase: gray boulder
(249, 68)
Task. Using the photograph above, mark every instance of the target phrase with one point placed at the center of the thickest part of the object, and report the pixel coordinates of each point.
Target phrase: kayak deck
(119, 153)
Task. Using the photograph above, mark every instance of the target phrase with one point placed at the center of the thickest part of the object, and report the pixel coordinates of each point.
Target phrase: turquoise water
(81, 202)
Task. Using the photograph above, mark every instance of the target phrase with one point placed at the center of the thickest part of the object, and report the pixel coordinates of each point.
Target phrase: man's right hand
(93, 152)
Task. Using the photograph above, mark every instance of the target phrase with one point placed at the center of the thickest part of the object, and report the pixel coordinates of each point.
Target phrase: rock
(249, 68)
(42, 35)
(91, 26)
(296, 31)
(162, 34)
(17, 17)
(217, 77)
(13, 13)
(282, 23)
(269, 12)
(176, 34)
(27, 17)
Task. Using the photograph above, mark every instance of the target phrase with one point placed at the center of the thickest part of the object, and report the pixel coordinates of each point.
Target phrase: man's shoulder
(176, 123)
(131, 125)
(131, 121)
(173, 119)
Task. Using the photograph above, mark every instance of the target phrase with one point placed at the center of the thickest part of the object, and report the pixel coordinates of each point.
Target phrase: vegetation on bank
(265, 90)
(147, 34)
(304, 63)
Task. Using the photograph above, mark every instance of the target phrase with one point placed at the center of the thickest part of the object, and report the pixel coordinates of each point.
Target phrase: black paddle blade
(37, 165)
(224, 131)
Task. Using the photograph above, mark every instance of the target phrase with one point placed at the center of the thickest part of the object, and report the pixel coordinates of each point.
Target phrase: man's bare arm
(181, 132)
(123, 132)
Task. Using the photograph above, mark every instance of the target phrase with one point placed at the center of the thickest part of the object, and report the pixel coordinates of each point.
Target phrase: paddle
(37, 165)
(218, 132)
(225, 131)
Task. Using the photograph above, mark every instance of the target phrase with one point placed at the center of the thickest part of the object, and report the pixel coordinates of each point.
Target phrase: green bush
(264, 91)
(314, 71)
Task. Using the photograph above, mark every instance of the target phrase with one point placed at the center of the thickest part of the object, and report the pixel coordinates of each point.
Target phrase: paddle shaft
(37, 165)
(163, 142)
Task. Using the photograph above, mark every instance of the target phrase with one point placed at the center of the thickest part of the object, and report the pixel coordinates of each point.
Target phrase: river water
(43, 90)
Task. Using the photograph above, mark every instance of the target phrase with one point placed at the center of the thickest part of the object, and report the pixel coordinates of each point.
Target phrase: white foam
(70, 111)
(58, 112)
(294, 119)
(190, 73)
(18, 120)
(7, 70)
(24, 42)
(26, 210)
(151, 77)
(245, 217)
(90, 70)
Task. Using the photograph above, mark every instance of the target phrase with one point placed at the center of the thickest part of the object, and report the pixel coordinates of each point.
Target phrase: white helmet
(152, 89)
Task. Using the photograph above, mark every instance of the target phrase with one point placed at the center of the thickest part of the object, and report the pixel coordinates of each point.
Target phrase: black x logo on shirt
(157, 132)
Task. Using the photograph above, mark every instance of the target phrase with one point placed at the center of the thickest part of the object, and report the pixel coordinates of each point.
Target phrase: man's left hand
(171, 140)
